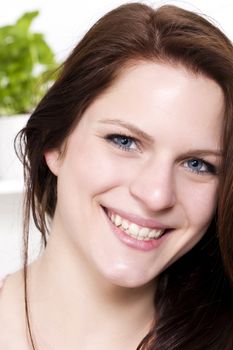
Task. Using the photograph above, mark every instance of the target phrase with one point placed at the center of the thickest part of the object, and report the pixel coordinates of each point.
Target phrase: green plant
(26, 66)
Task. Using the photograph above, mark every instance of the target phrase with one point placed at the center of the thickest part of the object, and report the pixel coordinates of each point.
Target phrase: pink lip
(150, 223)
(142, 245)
(135, 243)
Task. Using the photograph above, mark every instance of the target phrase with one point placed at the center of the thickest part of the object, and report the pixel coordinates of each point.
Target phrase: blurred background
(64, 22)
(29, 48)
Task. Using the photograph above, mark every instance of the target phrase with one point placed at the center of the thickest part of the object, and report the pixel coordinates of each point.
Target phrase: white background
(64, 23)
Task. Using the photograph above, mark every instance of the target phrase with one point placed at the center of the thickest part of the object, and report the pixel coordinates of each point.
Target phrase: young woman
(129, 171)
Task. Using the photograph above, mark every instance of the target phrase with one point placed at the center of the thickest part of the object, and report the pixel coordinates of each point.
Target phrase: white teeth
(152, 233)
(145, 232)
(118, 220)
(141, 233)
(125, 224)
(157, 233)
(133, 229)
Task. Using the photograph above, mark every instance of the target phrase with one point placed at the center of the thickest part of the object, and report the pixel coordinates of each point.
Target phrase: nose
(154, 185)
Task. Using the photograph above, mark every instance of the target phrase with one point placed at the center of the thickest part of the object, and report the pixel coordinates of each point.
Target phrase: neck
(68, 294)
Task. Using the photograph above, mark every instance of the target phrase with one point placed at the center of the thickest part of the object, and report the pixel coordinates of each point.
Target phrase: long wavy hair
(194, 298)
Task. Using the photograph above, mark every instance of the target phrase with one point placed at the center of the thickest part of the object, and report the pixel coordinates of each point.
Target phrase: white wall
(64, 23)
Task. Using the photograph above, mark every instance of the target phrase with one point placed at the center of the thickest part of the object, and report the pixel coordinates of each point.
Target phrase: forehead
(149, 91)
(163, 83)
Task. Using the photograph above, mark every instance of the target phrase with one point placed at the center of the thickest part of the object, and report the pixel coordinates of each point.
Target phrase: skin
(87, 275)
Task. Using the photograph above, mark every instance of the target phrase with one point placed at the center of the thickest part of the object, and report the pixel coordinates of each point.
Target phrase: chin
(124, 278)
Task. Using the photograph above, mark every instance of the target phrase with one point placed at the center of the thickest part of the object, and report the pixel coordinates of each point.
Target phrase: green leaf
(24, 22)
(26, 66)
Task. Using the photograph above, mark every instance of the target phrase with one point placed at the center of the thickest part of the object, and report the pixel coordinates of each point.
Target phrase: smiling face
(137, 187)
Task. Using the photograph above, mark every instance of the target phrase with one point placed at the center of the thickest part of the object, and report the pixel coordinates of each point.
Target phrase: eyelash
(210, 168)
(110, 138)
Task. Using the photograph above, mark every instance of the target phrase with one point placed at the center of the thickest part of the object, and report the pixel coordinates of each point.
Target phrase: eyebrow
(132, 128)
(139, 133)
(203, 153)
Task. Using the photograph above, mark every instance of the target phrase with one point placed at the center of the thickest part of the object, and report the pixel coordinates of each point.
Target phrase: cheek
(96, 169)
(199, 202)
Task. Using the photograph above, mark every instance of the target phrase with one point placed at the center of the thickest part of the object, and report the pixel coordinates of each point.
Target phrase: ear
(52, 158)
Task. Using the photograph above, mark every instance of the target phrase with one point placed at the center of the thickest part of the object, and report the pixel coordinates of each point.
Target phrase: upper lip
(150, 223)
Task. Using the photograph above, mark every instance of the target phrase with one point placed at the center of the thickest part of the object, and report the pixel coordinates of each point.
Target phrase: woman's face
(138, 184)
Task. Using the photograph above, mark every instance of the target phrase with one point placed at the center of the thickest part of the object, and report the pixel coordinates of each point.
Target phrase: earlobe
(52, 158)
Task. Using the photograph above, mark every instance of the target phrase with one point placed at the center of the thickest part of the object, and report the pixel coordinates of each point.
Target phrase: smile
(134, 230)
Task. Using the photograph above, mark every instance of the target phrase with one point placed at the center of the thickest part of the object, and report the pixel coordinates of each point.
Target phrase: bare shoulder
(12, 320)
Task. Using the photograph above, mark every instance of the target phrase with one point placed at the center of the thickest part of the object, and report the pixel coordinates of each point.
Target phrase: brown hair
(193, 301)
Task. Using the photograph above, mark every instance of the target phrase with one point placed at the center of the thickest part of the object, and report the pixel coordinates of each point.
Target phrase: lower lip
(135, 243)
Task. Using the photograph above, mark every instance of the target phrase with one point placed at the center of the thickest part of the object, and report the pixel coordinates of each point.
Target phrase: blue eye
(124, 142)
(200, 166)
